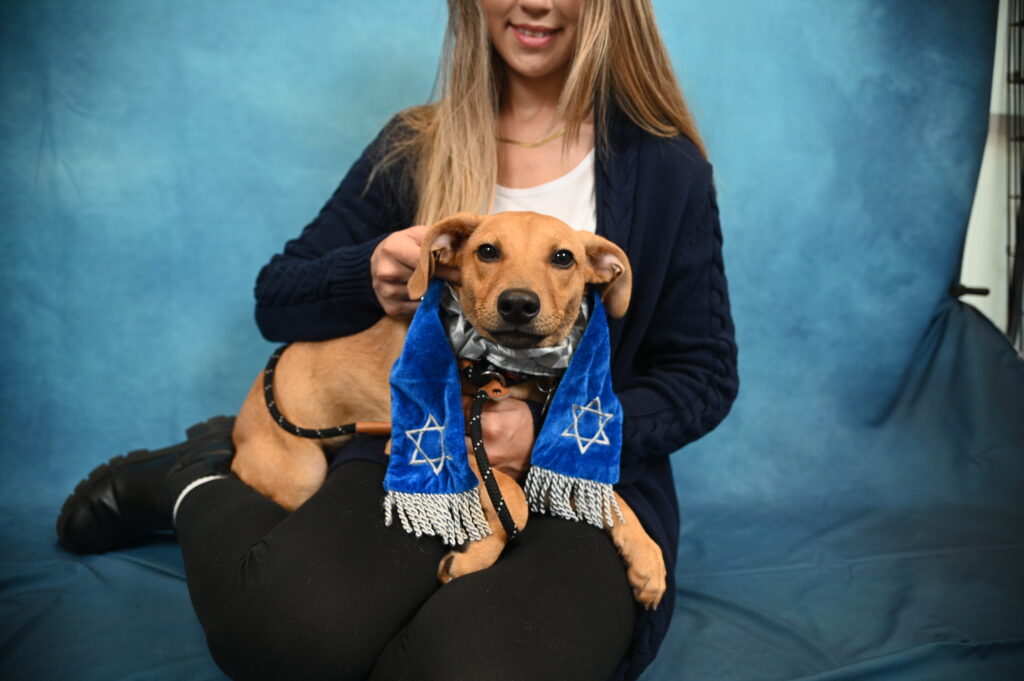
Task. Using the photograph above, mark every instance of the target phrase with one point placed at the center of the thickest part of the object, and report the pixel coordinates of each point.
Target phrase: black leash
(476, 436)
(493, 384)
(268, 395)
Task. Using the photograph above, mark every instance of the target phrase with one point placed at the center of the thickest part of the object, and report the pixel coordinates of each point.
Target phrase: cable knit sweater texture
(673, 354)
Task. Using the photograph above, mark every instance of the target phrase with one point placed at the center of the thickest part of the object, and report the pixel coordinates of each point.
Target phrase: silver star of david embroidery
(599, 437)
(419, 456)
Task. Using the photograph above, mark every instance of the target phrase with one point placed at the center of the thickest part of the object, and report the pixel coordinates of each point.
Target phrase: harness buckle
(495, 390)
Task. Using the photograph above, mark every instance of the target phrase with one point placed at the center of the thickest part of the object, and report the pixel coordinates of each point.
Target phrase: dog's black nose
(518, 306)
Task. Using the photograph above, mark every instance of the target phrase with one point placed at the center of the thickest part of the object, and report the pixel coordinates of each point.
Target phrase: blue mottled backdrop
(856, 516)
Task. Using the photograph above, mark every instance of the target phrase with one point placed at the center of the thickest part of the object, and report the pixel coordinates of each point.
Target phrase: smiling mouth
(534, 36)
(534, 32)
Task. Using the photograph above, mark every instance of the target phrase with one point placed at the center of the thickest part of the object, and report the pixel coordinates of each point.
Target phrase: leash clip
(489, 380)
(492, 376)
(547, 385)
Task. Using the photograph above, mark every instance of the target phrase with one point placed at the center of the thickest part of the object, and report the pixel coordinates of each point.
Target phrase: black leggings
(329, 592)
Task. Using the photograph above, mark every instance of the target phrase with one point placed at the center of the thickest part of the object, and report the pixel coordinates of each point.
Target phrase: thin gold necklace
(532, 145)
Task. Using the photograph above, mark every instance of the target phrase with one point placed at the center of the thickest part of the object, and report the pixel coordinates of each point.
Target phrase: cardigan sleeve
(319, 287)
(686, 369)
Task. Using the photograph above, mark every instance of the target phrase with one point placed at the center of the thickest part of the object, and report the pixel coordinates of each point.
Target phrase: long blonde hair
(451, 144)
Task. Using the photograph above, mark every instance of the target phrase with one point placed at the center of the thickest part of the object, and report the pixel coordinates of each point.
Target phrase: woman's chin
(538, 66)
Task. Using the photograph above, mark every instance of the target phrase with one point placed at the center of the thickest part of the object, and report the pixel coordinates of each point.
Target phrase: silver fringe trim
(456, 518)
(572, 498)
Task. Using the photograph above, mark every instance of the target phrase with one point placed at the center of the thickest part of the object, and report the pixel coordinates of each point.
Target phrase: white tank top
(570, 198)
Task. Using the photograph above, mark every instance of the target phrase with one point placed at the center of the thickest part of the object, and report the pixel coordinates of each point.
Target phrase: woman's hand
(508, 434)
(391, 265)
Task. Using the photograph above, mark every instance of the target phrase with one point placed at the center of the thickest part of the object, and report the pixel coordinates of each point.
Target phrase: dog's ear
(608, 267)
(441, 246)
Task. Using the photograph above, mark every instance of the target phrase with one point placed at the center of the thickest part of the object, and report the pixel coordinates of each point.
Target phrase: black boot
(131, 496)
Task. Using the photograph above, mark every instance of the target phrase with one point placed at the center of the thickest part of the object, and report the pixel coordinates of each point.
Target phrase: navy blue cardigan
(673, 354)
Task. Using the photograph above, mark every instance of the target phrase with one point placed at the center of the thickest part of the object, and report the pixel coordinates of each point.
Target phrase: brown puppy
(537, 265)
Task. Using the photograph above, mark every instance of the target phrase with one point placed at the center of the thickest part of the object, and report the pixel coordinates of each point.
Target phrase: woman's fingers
(401, 310)
(391, 265)
(397, 293)
(393, 271)
(406, 245)
(396, 256)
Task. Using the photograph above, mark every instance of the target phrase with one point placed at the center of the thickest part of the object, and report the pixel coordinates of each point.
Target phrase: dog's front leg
(645, 564)
(482, 553)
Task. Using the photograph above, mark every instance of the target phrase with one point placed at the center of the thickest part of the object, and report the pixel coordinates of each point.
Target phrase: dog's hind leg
(483, 553)
(286, 468)
(288, 475)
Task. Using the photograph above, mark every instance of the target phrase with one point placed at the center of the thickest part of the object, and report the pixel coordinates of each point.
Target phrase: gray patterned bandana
(467, 343)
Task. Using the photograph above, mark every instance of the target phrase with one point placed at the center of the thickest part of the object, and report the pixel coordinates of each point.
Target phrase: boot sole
(214, 426)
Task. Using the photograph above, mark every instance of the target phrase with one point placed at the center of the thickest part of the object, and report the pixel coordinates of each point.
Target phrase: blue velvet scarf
(575, 459)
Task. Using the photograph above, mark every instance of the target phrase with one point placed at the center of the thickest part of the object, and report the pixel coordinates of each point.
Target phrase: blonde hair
(451, 144)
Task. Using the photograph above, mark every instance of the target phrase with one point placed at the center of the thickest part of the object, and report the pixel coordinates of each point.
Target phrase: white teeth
(534, 34)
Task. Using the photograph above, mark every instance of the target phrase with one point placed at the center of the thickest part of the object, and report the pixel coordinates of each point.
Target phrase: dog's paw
(444, 574)
(472, 557)
(645, 570)
(459, 564)
(449, 568)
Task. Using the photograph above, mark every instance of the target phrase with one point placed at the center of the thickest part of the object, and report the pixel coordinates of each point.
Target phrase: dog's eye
(488, 252)
(562, 258)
